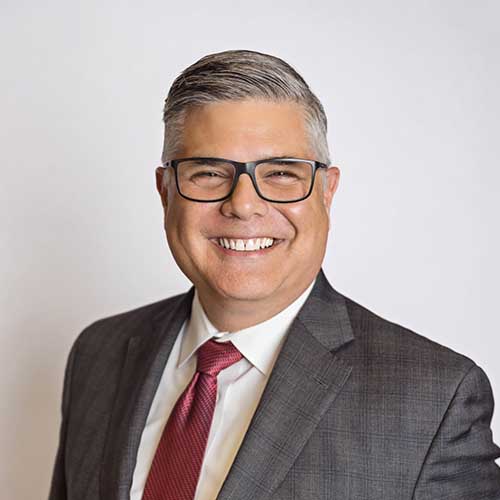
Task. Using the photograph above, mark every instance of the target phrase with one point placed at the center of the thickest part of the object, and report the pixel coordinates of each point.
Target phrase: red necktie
(177, 462)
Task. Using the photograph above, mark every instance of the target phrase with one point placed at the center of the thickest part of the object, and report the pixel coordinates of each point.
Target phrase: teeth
(249, 245)
(252, 245)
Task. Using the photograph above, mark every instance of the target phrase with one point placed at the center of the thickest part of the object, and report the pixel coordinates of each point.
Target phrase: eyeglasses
(279, 180)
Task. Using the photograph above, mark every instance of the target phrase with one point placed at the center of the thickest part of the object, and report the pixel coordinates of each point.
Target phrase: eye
(208, 176)
(205, 170)
(281, 173)
(208, 173)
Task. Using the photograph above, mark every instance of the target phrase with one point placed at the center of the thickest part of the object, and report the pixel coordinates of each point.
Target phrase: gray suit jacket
(356, 408)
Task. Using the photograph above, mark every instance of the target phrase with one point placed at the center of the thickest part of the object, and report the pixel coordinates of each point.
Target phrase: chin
(245, 287)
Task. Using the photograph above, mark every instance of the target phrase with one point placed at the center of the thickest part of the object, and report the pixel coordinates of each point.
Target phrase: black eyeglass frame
(245, 168)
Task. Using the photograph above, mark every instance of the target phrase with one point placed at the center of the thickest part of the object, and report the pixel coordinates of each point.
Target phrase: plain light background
(411, 92)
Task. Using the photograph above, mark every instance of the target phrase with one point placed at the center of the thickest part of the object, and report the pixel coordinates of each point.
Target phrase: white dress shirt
(239, 389)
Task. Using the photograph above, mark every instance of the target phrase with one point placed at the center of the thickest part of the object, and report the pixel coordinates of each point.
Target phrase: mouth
(246, 244)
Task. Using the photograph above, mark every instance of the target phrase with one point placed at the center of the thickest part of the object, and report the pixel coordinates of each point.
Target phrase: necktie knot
(214, 357)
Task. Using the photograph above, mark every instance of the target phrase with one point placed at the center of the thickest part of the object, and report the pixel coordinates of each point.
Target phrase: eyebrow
(281, 159)
(203, 160)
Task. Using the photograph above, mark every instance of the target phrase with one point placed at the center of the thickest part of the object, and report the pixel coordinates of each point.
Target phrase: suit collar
(325, 315)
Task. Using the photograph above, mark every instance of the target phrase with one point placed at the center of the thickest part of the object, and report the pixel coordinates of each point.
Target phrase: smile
(245, 245)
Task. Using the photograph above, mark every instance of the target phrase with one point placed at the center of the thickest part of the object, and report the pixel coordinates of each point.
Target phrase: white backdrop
(411, 91)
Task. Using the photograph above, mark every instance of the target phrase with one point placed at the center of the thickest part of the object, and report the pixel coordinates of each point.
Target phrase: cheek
(310, 222)
(177, 222)
(311, 226)
(185, 228)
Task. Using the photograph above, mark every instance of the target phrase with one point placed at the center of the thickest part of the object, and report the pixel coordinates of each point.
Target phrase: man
(263, 382)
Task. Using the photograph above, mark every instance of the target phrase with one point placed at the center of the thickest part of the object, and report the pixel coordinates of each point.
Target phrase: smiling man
(262, 381)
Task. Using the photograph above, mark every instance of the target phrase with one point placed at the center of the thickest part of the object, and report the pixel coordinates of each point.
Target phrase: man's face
(244, 131)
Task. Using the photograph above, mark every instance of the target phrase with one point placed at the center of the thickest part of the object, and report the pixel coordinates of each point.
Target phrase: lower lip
(242, 253)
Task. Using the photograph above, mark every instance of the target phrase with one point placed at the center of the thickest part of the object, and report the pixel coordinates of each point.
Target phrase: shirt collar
(260, 344)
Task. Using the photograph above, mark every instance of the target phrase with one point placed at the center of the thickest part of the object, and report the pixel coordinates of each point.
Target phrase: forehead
(246, 130)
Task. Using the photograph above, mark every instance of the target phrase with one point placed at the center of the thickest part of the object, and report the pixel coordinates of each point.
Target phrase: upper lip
(246, 236)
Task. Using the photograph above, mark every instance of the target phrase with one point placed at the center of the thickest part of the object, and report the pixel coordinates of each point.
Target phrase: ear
(332, 177)
(162, 185)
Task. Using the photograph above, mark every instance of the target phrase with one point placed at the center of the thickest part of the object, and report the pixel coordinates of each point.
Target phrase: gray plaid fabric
(356, 408)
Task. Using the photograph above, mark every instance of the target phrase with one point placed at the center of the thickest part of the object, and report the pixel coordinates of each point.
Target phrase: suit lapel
(146, 356)
(307, 377)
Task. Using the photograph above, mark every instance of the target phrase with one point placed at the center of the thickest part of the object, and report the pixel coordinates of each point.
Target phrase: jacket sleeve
(460, 463)
(58, 489)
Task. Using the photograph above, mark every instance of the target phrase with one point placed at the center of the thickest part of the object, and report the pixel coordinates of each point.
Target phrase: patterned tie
(176, 465)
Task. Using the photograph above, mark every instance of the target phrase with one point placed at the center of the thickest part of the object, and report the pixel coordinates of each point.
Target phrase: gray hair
(236, 75)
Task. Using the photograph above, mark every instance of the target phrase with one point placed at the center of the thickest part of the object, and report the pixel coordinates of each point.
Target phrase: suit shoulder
(394, 343)
(126, 324)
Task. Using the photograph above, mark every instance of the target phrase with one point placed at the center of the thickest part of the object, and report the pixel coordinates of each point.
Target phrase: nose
(244, 203)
